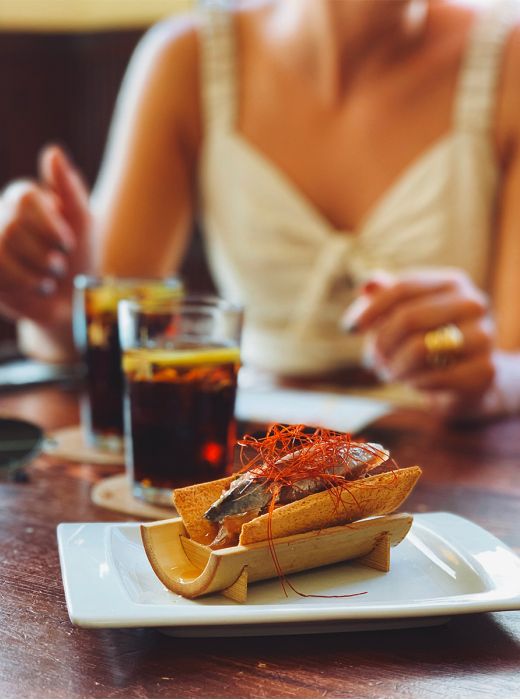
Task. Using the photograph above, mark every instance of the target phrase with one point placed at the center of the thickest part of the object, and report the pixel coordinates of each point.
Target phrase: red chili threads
(290, 454)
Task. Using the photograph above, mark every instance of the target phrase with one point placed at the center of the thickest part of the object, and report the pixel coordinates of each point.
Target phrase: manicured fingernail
(57, 266)
(351, 323)
(349, 326)
(370, 287)
(47, 287)
(353, 319)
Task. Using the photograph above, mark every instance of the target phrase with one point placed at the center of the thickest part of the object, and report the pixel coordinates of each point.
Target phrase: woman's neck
(339, 41)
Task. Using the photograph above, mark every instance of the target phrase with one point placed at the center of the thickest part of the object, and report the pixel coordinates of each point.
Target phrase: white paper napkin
(316, 408)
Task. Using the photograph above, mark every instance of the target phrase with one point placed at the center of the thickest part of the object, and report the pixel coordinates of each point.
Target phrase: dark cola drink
(103, 413)
(97, 338)
(179, 416)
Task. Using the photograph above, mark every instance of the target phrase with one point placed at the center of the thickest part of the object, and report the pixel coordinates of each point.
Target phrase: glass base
(152, 494)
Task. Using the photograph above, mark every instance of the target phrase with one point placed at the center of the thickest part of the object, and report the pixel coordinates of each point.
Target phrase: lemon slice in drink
(105, 299)
(142, 359)
(156, 294)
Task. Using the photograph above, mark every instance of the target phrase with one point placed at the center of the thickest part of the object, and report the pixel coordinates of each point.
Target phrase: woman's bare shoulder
(464, 13)
(174, 43)
(166, 61)
(173, 40)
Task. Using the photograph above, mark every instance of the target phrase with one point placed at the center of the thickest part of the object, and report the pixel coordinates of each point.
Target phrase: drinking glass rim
(202, 301)
(85, 281)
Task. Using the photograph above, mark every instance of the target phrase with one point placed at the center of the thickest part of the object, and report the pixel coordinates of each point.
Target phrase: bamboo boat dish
(192, 570)
(210, 548)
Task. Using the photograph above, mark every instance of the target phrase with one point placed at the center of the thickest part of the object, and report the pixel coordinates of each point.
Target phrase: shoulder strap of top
(480, 71)
(217, 42)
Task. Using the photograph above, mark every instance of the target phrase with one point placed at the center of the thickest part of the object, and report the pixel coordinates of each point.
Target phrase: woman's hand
(43, 232)
(397, 312)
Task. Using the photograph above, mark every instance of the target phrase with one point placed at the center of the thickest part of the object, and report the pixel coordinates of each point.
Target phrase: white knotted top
(272, 250)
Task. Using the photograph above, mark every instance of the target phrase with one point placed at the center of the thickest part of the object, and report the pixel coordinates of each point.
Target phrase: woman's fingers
(411, 360)
(31, 251)
(418, 315)
(370, 309)
(34, 240)
(41, 238)
(26, 203)
(66, 183)
(396, 317)
(470, 377)
(15, 277)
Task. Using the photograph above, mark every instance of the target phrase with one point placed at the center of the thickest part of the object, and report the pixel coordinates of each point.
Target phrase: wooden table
(474, 472)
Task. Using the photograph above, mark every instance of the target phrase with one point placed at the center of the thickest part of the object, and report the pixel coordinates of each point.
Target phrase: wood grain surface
(473, 472)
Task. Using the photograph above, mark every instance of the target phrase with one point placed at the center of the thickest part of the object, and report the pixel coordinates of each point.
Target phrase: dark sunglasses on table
(20, 442)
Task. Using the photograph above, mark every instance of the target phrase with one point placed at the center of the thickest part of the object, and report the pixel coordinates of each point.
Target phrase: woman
(320, 141)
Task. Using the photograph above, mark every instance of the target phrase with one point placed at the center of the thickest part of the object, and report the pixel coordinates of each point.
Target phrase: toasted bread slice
(192, 502)
(373, 495)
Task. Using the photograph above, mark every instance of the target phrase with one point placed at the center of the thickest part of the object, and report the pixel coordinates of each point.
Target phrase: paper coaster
(69, 443)
(114, 493)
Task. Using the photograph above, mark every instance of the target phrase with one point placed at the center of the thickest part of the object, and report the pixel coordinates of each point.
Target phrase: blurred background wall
(61, 64)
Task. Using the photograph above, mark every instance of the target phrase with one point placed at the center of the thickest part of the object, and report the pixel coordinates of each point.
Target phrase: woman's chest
(344, 158)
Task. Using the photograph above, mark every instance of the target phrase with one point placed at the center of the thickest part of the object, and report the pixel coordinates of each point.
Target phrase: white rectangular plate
(446, 566)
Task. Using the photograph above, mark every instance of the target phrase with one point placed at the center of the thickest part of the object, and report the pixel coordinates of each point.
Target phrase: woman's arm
(505, 282)
(504, 394)
(144, 199)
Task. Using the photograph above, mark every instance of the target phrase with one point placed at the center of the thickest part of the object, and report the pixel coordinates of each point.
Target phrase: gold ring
(443, 344)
